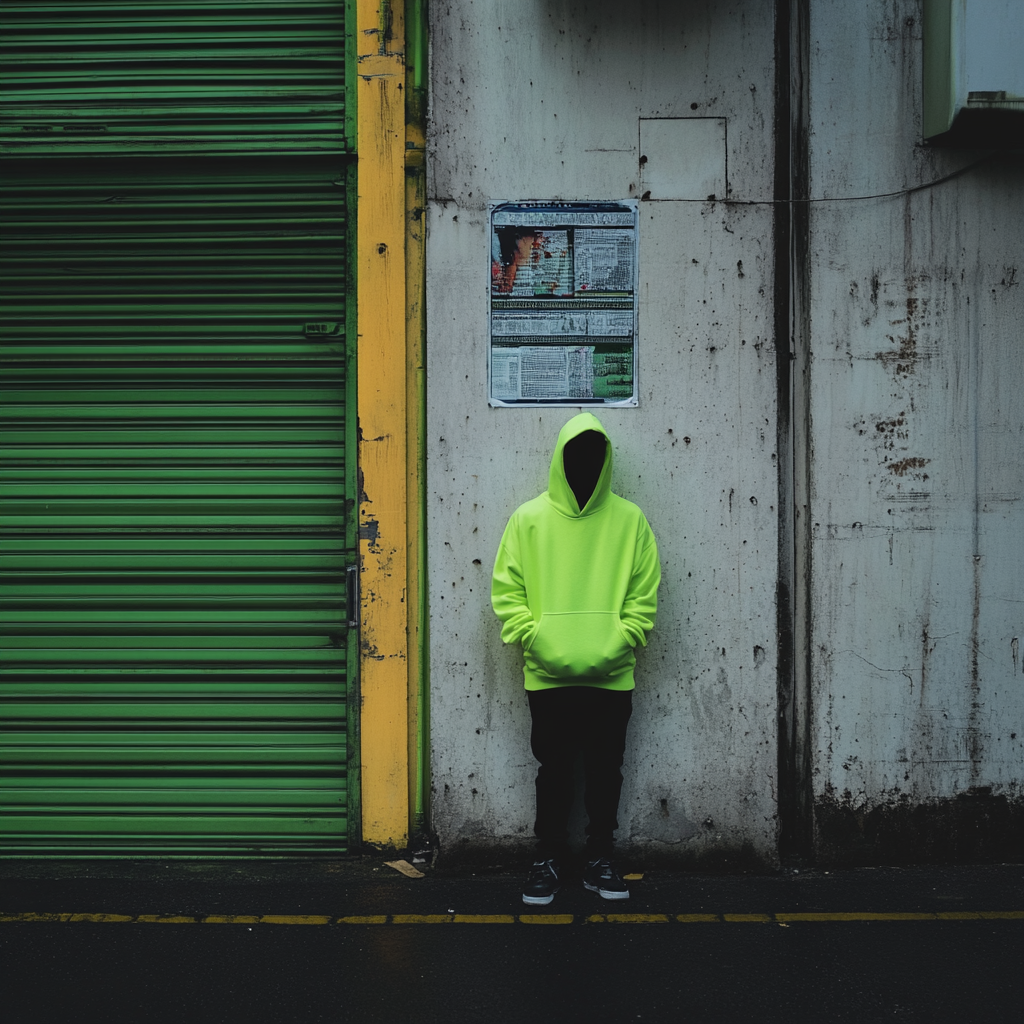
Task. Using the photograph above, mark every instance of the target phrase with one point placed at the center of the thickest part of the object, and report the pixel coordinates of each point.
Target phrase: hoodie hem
(623, 682)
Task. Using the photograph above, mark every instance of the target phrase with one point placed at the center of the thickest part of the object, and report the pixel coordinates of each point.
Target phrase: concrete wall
(916, 432)
(541, 99)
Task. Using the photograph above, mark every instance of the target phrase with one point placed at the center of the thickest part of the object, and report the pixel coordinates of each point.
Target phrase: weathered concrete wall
(917, 474)
(541, 99)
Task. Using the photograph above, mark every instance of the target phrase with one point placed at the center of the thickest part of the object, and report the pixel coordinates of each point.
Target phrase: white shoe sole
(606, 893)
(538, 901)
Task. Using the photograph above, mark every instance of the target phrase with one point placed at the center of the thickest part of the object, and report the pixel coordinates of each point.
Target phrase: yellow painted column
(381, 361)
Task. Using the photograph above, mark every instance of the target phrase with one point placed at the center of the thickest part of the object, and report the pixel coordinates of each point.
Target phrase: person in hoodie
(575, 583)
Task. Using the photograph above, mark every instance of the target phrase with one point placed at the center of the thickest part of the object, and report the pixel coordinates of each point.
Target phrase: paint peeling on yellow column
(381, 294)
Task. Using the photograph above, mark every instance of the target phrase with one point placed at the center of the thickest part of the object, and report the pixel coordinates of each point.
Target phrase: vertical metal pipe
(792, 333)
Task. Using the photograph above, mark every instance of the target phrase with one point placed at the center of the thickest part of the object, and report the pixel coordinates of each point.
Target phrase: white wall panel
(543, 100)
(917, 428)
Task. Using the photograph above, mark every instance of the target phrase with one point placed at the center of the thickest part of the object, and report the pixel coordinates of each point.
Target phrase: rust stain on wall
(903, 360)
(904, 466)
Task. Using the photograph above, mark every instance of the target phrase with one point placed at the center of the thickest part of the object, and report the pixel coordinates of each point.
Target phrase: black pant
(566, 721)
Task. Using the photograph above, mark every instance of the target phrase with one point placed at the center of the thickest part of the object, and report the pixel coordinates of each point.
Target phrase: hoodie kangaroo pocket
(586, 644)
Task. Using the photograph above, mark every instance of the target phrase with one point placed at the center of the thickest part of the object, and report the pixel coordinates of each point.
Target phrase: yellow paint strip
(422, 918)
(101, 918)
(856, 916)
(785, 919)
(45, 918)
(295, 919)
(629, 918)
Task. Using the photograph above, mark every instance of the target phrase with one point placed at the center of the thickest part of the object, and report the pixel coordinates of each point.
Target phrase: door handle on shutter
(352, 596)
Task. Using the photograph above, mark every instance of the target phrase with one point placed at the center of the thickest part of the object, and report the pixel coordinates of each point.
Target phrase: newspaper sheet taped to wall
(563, 306)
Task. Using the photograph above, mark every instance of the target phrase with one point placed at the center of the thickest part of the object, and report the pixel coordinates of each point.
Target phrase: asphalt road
(286, 942)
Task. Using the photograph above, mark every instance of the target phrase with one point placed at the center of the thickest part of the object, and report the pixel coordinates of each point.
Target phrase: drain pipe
(792, 333)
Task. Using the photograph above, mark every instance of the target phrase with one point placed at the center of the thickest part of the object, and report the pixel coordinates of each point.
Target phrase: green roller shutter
(191, 76)
(177, 485)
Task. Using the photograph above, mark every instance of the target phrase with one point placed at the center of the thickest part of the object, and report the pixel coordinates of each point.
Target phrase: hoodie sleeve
(508, 591)
(641, 603)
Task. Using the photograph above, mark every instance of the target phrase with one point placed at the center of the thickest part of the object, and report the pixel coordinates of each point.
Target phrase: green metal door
(177, 542)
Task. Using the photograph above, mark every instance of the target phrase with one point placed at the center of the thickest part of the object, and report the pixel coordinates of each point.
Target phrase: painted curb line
(782, 919)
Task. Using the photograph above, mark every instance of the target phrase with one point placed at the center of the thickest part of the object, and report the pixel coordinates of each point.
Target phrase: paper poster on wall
(563, 304)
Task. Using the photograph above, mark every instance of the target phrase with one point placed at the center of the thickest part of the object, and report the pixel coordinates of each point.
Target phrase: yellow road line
(20, 918)
(629, 918)
(102, 918)
(421, 918)
(782, 918)
(856, 916)
(295, 919)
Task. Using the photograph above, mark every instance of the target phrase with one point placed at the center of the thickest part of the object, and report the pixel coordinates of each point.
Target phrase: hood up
(559, 493)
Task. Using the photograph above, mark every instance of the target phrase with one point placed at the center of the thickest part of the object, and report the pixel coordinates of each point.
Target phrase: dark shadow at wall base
(976, 827)
(483, 856)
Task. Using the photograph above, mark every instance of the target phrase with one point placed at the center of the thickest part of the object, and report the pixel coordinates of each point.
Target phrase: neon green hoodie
(577, 588)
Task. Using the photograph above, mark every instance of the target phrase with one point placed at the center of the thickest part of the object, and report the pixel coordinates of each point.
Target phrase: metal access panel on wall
(563, 304)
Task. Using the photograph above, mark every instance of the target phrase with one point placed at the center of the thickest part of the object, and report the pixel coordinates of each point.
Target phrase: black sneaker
(542, 884)
(602, 878)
